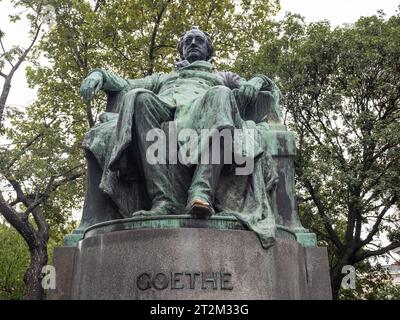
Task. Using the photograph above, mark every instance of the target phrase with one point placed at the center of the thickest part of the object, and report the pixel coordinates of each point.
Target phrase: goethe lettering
(185, 280)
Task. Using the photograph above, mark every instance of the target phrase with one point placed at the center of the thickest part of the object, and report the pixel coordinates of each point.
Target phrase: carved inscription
(185, 280)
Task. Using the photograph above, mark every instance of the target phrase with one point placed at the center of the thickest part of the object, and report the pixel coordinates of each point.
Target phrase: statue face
(195, 46)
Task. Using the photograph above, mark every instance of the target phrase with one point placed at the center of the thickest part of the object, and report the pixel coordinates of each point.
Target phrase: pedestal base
(189, 263)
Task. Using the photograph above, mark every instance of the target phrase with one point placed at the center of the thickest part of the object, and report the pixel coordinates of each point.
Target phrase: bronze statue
(123, 183)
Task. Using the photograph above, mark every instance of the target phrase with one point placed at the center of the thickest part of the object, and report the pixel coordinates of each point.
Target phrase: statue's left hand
(248, 93)
(91, 85)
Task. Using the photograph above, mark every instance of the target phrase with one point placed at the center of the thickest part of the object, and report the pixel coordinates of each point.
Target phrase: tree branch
(152, 48)
(23, 56)
(376, 180)
(41, 223)
(10, 214)
(8, 78)
(321, 210)
(98, 5)
(4, 51)
(51, 187)
(18, 190)
(375, 227)
(368, 254)
(23, 149)
(19, 222)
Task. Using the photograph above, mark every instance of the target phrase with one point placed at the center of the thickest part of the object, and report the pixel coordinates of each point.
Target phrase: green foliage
(373, 283)
(341, 95)
(14, 259)
(132, 38)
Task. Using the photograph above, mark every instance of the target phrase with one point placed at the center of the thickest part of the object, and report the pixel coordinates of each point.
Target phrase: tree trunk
(4, 96)
(337, 276)
(336, 282)
(33, 276)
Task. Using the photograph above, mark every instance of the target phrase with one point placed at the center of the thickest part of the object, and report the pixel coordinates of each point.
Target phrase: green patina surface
(195, 96)
(306, 239)
(279, 142)
(180, 221)
(71, 240)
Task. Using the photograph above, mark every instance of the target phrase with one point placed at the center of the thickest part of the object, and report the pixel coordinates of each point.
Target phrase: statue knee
(144, 102)
(220, 97)
(219, 92)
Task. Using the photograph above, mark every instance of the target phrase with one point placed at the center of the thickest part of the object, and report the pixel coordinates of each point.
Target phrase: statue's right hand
(91, 85)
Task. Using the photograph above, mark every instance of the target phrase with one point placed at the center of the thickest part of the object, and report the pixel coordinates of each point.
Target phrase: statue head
(195, 45)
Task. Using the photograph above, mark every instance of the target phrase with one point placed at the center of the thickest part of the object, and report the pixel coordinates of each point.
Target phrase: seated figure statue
(123, 183)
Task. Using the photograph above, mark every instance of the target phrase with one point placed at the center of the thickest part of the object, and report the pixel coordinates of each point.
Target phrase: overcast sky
(336, 11)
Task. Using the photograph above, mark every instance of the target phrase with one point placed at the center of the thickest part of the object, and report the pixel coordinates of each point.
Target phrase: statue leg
(163, 189)
(202, 191)
(216, 110)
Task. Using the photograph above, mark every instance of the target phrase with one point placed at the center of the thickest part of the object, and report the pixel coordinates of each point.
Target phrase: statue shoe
(200, 209)
(159, 209)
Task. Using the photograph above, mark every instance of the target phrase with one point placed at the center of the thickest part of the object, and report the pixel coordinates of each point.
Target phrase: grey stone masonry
(189, 263)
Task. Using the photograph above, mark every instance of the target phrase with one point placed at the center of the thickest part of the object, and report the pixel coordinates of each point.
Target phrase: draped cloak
(248, 198)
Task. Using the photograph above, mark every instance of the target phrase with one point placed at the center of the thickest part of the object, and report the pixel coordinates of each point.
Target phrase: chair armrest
(265, 109)
(111, 101)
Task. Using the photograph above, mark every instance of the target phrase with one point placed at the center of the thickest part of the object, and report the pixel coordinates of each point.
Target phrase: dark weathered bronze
(122, 184)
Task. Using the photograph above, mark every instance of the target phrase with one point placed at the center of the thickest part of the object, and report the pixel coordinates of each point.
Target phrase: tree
(341, 93)
(31, 164)
(14, 260)
(17, 55)
(42, 167)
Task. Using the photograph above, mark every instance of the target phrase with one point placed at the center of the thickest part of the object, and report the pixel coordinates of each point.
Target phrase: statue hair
(208, 42)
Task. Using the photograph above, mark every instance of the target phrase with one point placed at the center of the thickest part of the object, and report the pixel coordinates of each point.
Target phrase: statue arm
(266, 84)
(109, 80)
(150, 83)
(267, 105)
(260, 82)
(114, 83)
(266, 102)
(252, 105)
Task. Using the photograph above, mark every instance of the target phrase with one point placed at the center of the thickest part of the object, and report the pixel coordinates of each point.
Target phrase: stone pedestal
(189, 263)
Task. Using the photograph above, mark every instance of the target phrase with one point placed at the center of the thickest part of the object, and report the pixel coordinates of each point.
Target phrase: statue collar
(196, 65)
